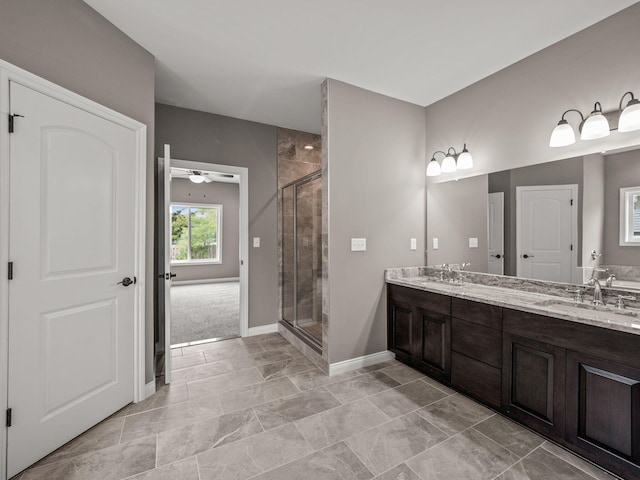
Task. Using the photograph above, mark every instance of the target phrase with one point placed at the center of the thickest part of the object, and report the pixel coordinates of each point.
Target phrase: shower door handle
(168, 276)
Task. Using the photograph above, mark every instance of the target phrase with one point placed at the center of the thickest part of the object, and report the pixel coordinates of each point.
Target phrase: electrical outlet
(435, 243)
(358, 244)
(414, 244)
(256, 242)
(473, 243)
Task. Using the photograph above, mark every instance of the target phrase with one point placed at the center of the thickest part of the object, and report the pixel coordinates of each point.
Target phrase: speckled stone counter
(534, 296)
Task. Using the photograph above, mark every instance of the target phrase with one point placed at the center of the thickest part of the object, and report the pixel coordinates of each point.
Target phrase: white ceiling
(264, 60)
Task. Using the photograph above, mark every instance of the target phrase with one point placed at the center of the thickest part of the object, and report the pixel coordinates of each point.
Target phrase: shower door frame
(293, 324)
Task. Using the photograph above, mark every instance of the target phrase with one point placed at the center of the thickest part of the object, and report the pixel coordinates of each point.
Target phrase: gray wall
(68, 43)
(507, 118)
(457, 211)
(592, 211)
(220, 193)
(623, 170)
(375, 175)
(209, 138)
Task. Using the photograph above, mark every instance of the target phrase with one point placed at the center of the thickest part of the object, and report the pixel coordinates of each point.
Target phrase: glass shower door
(302, 256)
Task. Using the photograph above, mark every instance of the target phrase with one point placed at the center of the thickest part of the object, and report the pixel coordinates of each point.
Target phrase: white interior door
(495, 216)
(167, 263)
(72, 241)
(546, 231)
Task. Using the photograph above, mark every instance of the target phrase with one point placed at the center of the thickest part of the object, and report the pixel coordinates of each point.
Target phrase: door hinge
(11, 117)
(571, 203)
(571, 247)
(10, 271)
(8, 417)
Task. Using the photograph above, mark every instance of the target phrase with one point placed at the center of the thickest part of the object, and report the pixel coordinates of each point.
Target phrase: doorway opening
(203, 229)
(204, 256)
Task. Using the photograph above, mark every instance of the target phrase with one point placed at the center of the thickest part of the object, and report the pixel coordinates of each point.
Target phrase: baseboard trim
(355, 363)
(262, 330)
(177, 283)
(149, 389)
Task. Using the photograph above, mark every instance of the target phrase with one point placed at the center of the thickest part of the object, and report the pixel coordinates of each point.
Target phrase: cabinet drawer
(476, 378)
(477, 342)
(475, 312)
(433, 302)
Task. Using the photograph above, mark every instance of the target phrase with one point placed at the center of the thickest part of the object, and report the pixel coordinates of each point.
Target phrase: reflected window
(196, 233)
(630, 216)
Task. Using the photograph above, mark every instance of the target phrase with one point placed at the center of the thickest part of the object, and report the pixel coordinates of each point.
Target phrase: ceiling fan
(196, 176)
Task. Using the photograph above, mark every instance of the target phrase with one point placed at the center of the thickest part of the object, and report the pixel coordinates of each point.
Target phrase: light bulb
(596, 125)
(448, 164)
(630, 117)
(465, 160)
(196, 178)
(433, 168)
(562, 135)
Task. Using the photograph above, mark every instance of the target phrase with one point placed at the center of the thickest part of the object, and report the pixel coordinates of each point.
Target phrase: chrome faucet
(597, 292)
(610, 279)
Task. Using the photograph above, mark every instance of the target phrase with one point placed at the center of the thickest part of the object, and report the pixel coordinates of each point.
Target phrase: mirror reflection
(557, 221)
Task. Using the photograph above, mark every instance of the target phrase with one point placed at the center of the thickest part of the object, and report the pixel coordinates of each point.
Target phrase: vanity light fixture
(596, 124)
(451, 162)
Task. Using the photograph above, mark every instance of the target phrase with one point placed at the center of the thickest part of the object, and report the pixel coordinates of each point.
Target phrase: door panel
(546, 224)
(603, 407)
(72, 239)
(496, 233)
(533, 384)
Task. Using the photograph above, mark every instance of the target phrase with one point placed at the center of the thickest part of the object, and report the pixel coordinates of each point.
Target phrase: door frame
(574, 224)
(243, 192)
(9, 72)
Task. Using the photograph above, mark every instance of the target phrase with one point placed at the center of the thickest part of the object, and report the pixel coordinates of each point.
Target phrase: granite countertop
(562, 307)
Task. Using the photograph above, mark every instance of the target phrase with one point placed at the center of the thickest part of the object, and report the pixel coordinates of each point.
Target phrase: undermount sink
(569, 306)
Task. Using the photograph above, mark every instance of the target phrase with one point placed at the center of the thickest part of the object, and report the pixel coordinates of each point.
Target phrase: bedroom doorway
(203, 288)
(205, 257)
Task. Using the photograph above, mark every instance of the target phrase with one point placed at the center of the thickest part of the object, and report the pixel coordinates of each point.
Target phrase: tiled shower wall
(295, 162)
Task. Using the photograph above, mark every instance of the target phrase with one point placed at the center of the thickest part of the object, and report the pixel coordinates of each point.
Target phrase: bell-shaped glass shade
(448, 164)
(196, 178)
(562, 135)
(595, 126)
(465, 160)
(433, 168)
(630, 117)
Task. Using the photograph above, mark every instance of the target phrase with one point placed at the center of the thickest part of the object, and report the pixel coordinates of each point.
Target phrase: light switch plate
(256, 242)
(473, 242)
(435, 243)
(358, 244)
(414, 244)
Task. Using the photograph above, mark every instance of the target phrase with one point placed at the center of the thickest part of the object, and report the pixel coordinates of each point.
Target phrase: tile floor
(256, 408)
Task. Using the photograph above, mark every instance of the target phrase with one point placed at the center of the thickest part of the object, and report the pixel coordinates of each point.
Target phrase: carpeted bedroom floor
(200, 312)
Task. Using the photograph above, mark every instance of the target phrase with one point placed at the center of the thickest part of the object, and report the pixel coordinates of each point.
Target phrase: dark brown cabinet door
(533, 384)
(603, 411)
(401, 327)
(434, 346)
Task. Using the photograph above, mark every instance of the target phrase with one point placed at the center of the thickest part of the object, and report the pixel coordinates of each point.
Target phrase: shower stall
(302, 257)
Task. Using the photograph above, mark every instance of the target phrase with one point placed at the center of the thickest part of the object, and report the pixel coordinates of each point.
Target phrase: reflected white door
(495, 215)
(166, 161)
(71, 324)
(546, 226)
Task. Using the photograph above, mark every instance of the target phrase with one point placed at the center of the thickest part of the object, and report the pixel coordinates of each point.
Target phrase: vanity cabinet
(476, 344)
(575, 383)
(419, 330)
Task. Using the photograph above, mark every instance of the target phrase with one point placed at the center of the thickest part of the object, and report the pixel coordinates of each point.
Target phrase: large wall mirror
(554, 221)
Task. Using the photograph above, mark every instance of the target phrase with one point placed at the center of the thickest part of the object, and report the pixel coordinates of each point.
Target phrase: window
(196, 233)
(630, 216)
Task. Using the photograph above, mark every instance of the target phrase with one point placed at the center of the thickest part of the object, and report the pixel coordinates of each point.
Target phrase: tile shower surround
(295, 162)
(256, 408)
